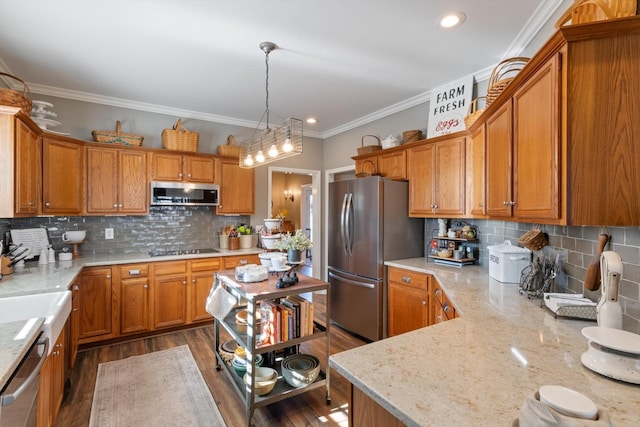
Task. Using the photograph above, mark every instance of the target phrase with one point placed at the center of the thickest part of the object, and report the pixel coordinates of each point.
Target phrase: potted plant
(245, 235)
(294, 244)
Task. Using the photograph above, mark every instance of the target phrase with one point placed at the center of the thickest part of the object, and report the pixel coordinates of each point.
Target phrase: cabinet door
(134, 305)
(62, 177)
(28, 170)
(169, 300)
(420, 161)
(238, 260)
(44, 393)
(74, 329)
(57, 377)
(95, 304)
(200, 169)
(367, 166)
(449, 177)
(202, 272)
(536, 142)
(133, 184)
(102, 179)
(475, 165)
(236, 189)
(166, 167)
(393, 165)
(498, 161)
(408, 309)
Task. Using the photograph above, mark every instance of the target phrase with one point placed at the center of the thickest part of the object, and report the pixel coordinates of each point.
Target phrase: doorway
(293, 194)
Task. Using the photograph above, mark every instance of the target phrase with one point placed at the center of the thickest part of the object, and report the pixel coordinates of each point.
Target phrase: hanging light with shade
(283, 141)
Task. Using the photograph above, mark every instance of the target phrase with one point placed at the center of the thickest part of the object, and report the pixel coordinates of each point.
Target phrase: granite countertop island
(476, 370)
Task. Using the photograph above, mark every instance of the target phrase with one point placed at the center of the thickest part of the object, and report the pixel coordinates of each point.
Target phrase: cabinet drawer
(134, 270)
(205, 264)
(409, 278)
(234, 261)
(163, 268)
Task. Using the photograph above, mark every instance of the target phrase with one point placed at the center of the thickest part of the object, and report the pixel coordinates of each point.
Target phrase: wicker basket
(364, 149)
(117, 137)
(502, 75)
(533, 239)
(229, 149)
(16, 98)
(583, 11)
(411, 136)
(179, 138)
(473, 112)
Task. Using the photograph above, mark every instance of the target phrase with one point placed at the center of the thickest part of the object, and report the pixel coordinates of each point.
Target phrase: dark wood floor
(306, 409)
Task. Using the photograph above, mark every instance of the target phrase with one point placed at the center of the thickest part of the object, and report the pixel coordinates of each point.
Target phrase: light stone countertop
(34, 279)
(16, 339)
(476, 370)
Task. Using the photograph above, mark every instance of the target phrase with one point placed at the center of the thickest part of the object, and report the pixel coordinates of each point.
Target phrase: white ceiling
(342, 61)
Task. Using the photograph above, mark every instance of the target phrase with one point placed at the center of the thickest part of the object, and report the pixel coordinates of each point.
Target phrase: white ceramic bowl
(272, 224)
(265, 257)
(263, 386)
(75, 236)
(270, 241)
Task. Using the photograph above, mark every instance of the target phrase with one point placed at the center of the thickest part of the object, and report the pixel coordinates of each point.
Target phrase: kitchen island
(477, 369)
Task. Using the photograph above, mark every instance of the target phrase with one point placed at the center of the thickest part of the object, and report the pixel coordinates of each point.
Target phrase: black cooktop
(169, 252)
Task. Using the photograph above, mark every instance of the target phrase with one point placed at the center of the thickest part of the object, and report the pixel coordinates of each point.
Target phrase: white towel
(219, 302)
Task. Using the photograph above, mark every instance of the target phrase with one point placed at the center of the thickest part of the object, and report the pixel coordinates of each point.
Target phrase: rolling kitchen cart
(249, 296)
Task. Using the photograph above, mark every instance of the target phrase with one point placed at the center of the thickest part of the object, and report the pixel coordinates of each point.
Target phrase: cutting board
(35, 239)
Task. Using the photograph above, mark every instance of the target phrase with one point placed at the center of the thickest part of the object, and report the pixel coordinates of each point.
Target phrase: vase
(234, 243)
(224, 241)
(294, 256)
(246, 241)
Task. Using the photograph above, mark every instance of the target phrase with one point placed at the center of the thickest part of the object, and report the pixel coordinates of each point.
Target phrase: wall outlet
(108, 233)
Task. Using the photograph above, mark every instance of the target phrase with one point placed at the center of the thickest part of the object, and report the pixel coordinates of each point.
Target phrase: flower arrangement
(244, 229)
(297, 241)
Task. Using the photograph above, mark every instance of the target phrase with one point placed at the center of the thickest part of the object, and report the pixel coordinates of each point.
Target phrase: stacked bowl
(266, 379)
(239, 362)
(300, 370)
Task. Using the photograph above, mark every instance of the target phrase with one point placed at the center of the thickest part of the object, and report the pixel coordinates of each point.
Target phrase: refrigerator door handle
(352, 282)
(349, 223)
(343, 227)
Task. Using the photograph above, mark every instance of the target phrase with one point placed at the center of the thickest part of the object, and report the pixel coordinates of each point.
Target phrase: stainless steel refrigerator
(368, 225)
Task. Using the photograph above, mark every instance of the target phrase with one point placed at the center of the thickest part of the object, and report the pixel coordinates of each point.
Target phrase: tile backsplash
(166, 227)
(576, 246)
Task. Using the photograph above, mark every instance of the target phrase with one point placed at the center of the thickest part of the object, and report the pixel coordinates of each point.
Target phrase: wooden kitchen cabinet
(436, 171)
(408, 300)
(74, 324)
(28, 169)
(475, 165)
(234, 261)
(182, 167)
(366, 166)
(442, 310)
(237, 188)
(62, 176)
(133, 299)
(95, 304)
(116, 181)
(169, 287)
(52, 378)
(366, 412)
(202, 271)
(393, 165)
(523, 150)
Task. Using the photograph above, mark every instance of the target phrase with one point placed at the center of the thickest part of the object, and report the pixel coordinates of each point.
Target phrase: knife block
(4, 263)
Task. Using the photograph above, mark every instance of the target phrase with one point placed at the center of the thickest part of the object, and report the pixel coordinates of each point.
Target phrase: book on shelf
(290, 318)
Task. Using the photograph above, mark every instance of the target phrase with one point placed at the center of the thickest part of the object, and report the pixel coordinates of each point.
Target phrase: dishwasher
(19, 398)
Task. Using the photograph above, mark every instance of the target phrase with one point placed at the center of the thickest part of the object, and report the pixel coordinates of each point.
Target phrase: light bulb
(287, 147)
(273, 151)
(249, 160)
(260, 157)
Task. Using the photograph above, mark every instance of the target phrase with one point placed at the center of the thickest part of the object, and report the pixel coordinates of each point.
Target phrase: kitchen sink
(55, 307)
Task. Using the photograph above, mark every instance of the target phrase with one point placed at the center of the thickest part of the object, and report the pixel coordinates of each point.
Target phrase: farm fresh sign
(448, 106)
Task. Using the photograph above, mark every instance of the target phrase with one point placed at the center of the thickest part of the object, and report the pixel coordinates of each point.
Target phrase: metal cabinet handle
(76, 287)
(180, 174)
(424, 302)
(438, 291)
(406, 279)
(108, 276)
(445, 307)
(184, 282)
(145, 286)
(193, 280)
(135, 272)
(31, 203)
(115, 205)
(47, 204)
(120, 205)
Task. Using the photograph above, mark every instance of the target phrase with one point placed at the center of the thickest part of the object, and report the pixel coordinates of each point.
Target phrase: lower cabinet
(365, 412)
(408, 300)
(95, 304)
(442, 308)
(169, 291)
(202, 272)
(134, 298)
(238, 260)
(52, 377)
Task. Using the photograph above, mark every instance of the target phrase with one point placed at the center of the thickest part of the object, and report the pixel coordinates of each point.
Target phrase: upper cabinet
(475, 167)
(62, 176)
(116, 181)
(182, 167)
(28, 172)
(436, 173)
(390, 163)
(237, 188)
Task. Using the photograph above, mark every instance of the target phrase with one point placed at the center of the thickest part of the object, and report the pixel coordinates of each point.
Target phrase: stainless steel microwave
(184, 194)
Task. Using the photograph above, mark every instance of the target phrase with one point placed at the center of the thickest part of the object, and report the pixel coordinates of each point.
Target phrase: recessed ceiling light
(453, 19)
(312, 120)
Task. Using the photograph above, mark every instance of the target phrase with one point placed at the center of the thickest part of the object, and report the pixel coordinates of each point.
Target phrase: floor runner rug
(163, 388)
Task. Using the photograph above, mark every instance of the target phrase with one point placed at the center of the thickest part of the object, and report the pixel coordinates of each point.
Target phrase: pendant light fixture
(269, 145)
